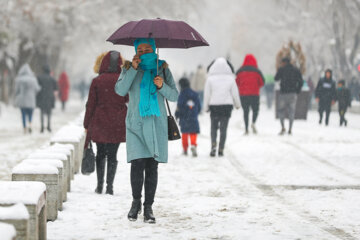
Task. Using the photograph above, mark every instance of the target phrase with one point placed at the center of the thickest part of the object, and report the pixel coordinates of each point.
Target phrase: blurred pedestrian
(83, 88)
(46, 97)
(269, 89)
(198, 82)
(64, 87)
(249, 80)
(146, 121)
(26, 88)
(105, 118)
(188, 109)
(325, 94)
(220, 95)
(343, 97)
(291, 83)
(311, 86)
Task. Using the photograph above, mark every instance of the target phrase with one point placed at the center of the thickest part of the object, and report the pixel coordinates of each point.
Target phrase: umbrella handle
(157, 62)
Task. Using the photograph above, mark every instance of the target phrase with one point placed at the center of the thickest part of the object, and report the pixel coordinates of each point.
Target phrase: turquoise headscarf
(148, 105)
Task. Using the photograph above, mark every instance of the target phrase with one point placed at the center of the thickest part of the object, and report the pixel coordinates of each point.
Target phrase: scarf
(148, 105)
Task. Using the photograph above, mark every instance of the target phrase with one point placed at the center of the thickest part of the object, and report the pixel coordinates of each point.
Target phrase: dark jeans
(106, 152)
(219, 122)
(325, 107)
(342, 112)
(138, 167)
(248, 102)
(48, 114)
(26, 112)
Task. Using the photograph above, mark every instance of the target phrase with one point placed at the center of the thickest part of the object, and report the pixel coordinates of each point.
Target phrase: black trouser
(48, 114)
(342, 112)
(63, 105)
(216, 123)
(325, 107)
(248, 102)
(106, 152)
(138, 167)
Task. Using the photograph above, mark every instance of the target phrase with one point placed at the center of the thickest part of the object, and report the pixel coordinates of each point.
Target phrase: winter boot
(246, 132)
(49, 129)
(29, 128)
(213, 150)
(193, 151)
(254, 128)
(111, 171)
(100, 171)
(149, 215)
(282, 132)
(42, 130)
(135, 210)
(185, 152)
(221, 153)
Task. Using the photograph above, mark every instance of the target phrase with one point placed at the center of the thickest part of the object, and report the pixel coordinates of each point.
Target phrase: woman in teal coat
(146, 121)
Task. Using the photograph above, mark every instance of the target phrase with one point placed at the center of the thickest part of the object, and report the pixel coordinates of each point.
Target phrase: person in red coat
(64, 87)
(105, 117)
(249, 80)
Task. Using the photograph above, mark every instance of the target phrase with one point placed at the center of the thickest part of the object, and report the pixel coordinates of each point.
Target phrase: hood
(25, 70)
(250, 60)
(111, 63)
(220, 66)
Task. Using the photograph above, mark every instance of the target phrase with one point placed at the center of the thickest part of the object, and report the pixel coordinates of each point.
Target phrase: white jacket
(220, 87)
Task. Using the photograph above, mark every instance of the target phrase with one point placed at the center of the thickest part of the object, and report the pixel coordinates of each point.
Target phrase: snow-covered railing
(47, 174)
(18, 216)
(33, 196)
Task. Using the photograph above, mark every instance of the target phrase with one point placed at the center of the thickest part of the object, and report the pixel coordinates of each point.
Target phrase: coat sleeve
(90, 105)
(169, 90)
(261, 80)
(278, 75)
(301, 82)
(235, 95)
(207, 95)
(333, 92)
(125, 81)
(318, 89)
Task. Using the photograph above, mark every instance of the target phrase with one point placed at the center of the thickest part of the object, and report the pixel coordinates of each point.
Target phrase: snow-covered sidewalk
(15, 145)
(305, 186)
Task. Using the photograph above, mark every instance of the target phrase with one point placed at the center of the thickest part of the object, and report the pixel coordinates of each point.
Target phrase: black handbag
(88, 161)
(173, 130)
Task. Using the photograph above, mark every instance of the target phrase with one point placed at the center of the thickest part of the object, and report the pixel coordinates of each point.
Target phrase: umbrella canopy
(167, 33)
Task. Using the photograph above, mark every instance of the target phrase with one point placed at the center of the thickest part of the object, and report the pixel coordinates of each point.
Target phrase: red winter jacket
(249, 78)
(64, 87)
(105, 110)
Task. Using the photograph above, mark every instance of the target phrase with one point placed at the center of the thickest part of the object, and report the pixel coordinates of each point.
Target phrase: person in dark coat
(343, 96)
(249, 80)
(46, 97)
(325, 94)
(188, 109)
(291, 83)
(105, 117)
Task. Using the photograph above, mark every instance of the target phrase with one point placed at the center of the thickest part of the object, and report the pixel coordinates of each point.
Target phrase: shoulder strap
(167, 103)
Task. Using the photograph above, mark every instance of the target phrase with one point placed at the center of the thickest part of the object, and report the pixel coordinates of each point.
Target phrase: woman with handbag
(146, 121)
(105, 117)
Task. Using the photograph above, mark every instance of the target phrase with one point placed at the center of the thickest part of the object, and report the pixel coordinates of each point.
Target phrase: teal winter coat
(146, 137)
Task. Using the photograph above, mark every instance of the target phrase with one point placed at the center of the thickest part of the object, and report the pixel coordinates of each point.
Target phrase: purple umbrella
(167, 33)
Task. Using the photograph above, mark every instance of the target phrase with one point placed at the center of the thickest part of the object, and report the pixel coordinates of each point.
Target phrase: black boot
(111, 171)
(100, 171)
(221, 153)
(213, 150)
(135, 210)
(148, 214)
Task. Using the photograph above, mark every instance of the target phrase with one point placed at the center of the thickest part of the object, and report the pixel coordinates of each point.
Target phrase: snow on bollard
(67, 149)
(50, 154)
(73, 140)
(33, 196)
(41, 173)
(62, 183)
(7, 231)
(18, 216)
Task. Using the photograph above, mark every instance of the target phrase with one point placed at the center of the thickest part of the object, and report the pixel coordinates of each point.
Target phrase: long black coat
(290, 79)
(45, 99)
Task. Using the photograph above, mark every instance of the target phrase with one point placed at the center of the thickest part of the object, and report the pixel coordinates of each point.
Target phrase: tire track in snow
(323, 161)
(269, 191)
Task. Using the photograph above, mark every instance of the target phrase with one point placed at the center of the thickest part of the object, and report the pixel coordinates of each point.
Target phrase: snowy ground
(305, 186)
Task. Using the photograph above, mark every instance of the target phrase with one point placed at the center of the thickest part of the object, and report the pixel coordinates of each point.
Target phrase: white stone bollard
(41, 173)
(59, 165)
(18, 216)
(7, 231)
(67, 149)
(33, 196)
(49, 154)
